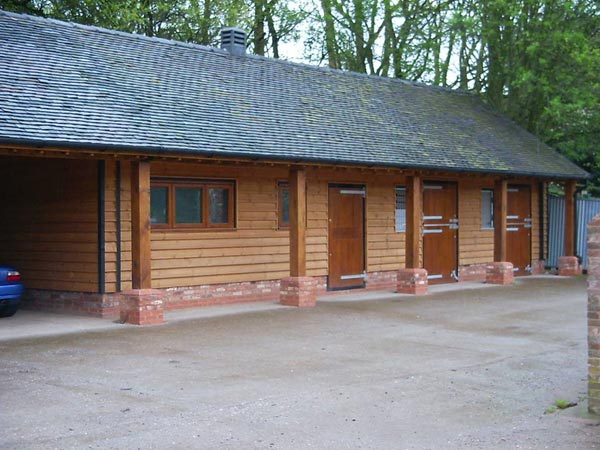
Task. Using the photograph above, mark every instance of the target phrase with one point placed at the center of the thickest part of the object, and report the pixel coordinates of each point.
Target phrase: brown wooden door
(518, 229)
(440, 232)
(346, 237)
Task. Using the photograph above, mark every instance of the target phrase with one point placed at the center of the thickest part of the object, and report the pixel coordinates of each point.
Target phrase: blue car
(11, 290)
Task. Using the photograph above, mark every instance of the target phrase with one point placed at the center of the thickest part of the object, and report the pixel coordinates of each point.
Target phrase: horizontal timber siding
(48, 224)
(384, 246)
(475, 245)
(535, 222)
(255, 250)
(110, 236)
(258, 250)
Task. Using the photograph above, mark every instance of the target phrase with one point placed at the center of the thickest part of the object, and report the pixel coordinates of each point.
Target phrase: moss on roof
(68, 84)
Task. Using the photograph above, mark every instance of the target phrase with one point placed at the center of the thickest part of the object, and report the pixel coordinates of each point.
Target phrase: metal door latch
(355, 277)
(454, 275)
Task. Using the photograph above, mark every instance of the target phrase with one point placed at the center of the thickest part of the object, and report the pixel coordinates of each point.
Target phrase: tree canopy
(537, 61)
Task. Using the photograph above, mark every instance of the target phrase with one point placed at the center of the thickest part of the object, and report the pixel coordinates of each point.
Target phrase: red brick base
(220, 294)
(538, 267)
(107, 305)
(499, 273)
(593, 311)
(412, 281)
(569, 266)
(142, 307)
(474, 272)
(298, 291)
(85, 303)
(594, 340)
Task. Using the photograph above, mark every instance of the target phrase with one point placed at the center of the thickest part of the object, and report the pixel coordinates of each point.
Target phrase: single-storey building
(198, 175)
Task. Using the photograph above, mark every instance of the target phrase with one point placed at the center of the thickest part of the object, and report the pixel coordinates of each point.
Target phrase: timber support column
(594, 316)
(500, 271)
(142, 305)
(413, 278)
(298, 289)
(568, 265)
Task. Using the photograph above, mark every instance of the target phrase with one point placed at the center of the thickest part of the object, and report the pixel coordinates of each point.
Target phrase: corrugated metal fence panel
(556, 229)
(587, 209)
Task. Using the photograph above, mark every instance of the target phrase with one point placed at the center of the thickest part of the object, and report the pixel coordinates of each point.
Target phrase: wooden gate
(518, 229)
(440, 232)
(346, 236)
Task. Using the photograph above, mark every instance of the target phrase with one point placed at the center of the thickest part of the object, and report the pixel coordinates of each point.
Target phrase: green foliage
(22, 6)
(564, 404)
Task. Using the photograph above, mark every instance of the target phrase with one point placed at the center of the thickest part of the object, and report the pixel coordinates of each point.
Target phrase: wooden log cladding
(385, 246)
(111, 226)
(48, 225)
(258, 250)
(535, 220)
(255, 250)
(475, 244)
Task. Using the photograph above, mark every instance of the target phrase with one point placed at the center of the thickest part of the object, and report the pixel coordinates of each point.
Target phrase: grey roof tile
(71, 84)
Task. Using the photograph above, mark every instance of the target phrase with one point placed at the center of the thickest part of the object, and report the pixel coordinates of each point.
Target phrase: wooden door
(518, 229)
(440, 232)
(346, 236)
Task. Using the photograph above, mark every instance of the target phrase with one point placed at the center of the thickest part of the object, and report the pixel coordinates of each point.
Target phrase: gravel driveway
(477, 368)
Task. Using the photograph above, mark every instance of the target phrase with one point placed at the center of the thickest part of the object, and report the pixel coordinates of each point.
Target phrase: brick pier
(594, 316)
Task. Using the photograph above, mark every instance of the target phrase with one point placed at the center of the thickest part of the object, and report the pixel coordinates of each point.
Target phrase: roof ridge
(208, 48)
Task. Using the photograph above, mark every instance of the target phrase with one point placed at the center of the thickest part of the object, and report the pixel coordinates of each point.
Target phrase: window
(283, 205)
(487, 209)
(191, 204)
(400, 209)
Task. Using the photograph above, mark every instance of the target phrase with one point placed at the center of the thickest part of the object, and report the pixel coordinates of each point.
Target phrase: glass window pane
(285, 206)
(188, 205)
(400, 209)
(487, 209)
(159, 205)
(218, 205)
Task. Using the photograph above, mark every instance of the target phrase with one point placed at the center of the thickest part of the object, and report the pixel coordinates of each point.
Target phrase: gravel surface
(464, 369)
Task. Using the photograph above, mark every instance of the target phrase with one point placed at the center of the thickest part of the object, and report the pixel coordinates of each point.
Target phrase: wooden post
(500, 213)
(570, 187)
(297, 222)
(414, 217)
(140, 225)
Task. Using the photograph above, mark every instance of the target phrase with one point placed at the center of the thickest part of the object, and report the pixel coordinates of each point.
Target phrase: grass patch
(559, 404)
(564, 404)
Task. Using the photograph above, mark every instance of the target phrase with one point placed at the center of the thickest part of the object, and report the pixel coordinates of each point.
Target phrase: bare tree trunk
(205, 25)
(272, 29)
(389, 39)
(259, 27)
(330, 35)
(359, 36)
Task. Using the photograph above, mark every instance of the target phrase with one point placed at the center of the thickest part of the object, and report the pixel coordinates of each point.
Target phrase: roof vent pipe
(234, 41)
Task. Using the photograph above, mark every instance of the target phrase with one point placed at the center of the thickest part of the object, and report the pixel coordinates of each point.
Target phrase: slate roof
(77, 86)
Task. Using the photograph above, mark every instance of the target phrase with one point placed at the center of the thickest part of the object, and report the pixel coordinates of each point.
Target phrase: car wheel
(9, 311)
